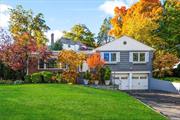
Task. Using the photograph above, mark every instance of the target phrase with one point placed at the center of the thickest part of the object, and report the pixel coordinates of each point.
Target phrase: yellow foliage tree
(72, 60)
(139, 21)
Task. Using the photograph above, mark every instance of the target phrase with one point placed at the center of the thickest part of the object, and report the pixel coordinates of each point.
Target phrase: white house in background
(130, 62)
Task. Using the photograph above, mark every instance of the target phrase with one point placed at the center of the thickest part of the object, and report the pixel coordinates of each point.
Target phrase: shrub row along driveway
(166, 103)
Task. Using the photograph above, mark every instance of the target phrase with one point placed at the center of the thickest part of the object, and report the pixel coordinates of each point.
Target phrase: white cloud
(4, 15)
(57, 35)
(108, 6)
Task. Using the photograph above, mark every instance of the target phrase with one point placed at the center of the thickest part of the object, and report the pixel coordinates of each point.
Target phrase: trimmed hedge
(47, 76)
(40, 77)
(36, 78)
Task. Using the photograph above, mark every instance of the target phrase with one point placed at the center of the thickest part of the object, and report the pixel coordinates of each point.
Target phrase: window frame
(139, 59)
(110, 57)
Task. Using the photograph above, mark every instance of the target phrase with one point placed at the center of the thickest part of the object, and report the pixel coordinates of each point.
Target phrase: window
(135, 57)
(41, 63)
(69, 45)
(106, 57)
(135, 77)
(110, 57)
(139, 57)
(142, 57)
(52, 63)
(143, 77)
(113, 57)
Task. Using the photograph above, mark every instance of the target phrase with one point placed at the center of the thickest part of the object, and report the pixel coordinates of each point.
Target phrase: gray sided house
(130, 62)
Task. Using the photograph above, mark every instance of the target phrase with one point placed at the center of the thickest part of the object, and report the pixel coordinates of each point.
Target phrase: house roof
(70, 42)
(124, 43)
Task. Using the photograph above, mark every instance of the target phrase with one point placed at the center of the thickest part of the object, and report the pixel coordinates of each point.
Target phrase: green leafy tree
(169, 29)
(24, 21)
(57, 46)
(103, 35)
(81, 33)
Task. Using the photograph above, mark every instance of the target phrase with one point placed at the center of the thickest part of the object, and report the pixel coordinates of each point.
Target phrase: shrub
(47, 76)
(69, 76)
(59, 77)
(107, 75)
(37, 77)
(102, 74)
(18, 82)
(27, 79)
(87, 75)
(6, 82)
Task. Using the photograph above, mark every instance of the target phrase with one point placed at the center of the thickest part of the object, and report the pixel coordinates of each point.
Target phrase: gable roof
(70, 42)
(125, 44)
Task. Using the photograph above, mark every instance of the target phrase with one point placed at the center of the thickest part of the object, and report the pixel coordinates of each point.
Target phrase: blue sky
(61, 15)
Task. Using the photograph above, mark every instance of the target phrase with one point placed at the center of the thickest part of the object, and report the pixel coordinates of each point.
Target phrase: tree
(94, 61)
(139, 21)
(169, 26)
(81, 33)
(163, 63)
(72, 60)
(24, 21)
(28, 36)
(56, 46)
(103, 35)
(16, 54)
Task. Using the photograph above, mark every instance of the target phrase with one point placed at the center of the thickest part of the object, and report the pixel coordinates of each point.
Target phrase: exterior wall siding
(125, 65)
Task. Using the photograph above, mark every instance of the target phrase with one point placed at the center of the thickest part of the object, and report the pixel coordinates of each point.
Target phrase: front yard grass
(69, 102)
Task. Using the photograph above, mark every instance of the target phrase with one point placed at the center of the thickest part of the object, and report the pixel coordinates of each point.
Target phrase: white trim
(111, 62)
(131, 72)
(146, 59)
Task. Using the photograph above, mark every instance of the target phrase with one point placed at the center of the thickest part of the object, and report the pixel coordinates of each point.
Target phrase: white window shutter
(102, 55)
(118, 56)
(130, 56)
(147, 56)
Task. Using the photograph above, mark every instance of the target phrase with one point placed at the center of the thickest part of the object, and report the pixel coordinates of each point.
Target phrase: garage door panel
(139, 81)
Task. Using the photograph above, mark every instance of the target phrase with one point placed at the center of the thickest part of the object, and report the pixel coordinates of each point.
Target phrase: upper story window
(106, 57)
(110, 57)
(139, 57)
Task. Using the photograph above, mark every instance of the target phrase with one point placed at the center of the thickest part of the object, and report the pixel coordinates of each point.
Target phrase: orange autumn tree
(138, 21)
(94, 61)
(72, 60)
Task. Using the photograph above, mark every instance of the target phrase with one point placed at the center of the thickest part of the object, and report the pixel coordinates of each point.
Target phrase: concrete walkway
(166, 103)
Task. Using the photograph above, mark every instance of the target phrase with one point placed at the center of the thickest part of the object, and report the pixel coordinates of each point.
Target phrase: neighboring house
(68, 44)
(130, 62)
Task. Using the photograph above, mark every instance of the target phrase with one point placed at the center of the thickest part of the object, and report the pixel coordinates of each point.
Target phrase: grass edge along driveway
(69, 102)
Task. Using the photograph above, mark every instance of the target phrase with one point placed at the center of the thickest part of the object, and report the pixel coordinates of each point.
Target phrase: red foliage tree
(16, 54)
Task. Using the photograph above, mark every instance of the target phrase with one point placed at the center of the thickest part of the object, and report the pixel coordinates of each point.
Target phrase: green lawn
(69, 102)
(171, 79)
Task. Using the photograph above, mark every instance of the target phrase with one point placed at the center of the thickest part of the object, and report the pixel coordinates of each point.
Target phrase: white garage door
(139, 81)
(122, 79)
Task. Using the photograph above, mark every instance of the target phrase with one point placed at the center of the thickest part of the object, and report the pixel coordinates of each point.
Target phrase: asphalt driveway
(166, 103)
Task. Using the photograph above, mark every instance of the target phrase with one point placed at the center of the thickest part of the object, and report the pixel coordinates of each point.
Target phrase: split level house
(129, 60)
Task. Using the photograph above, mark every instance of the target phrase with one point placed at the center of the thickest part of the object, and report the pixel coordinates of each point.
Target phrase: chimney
(52, 39)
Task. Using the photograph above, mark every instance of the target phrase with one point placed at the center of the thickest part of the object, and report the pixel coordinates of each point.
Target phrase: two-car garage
(131, 80)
